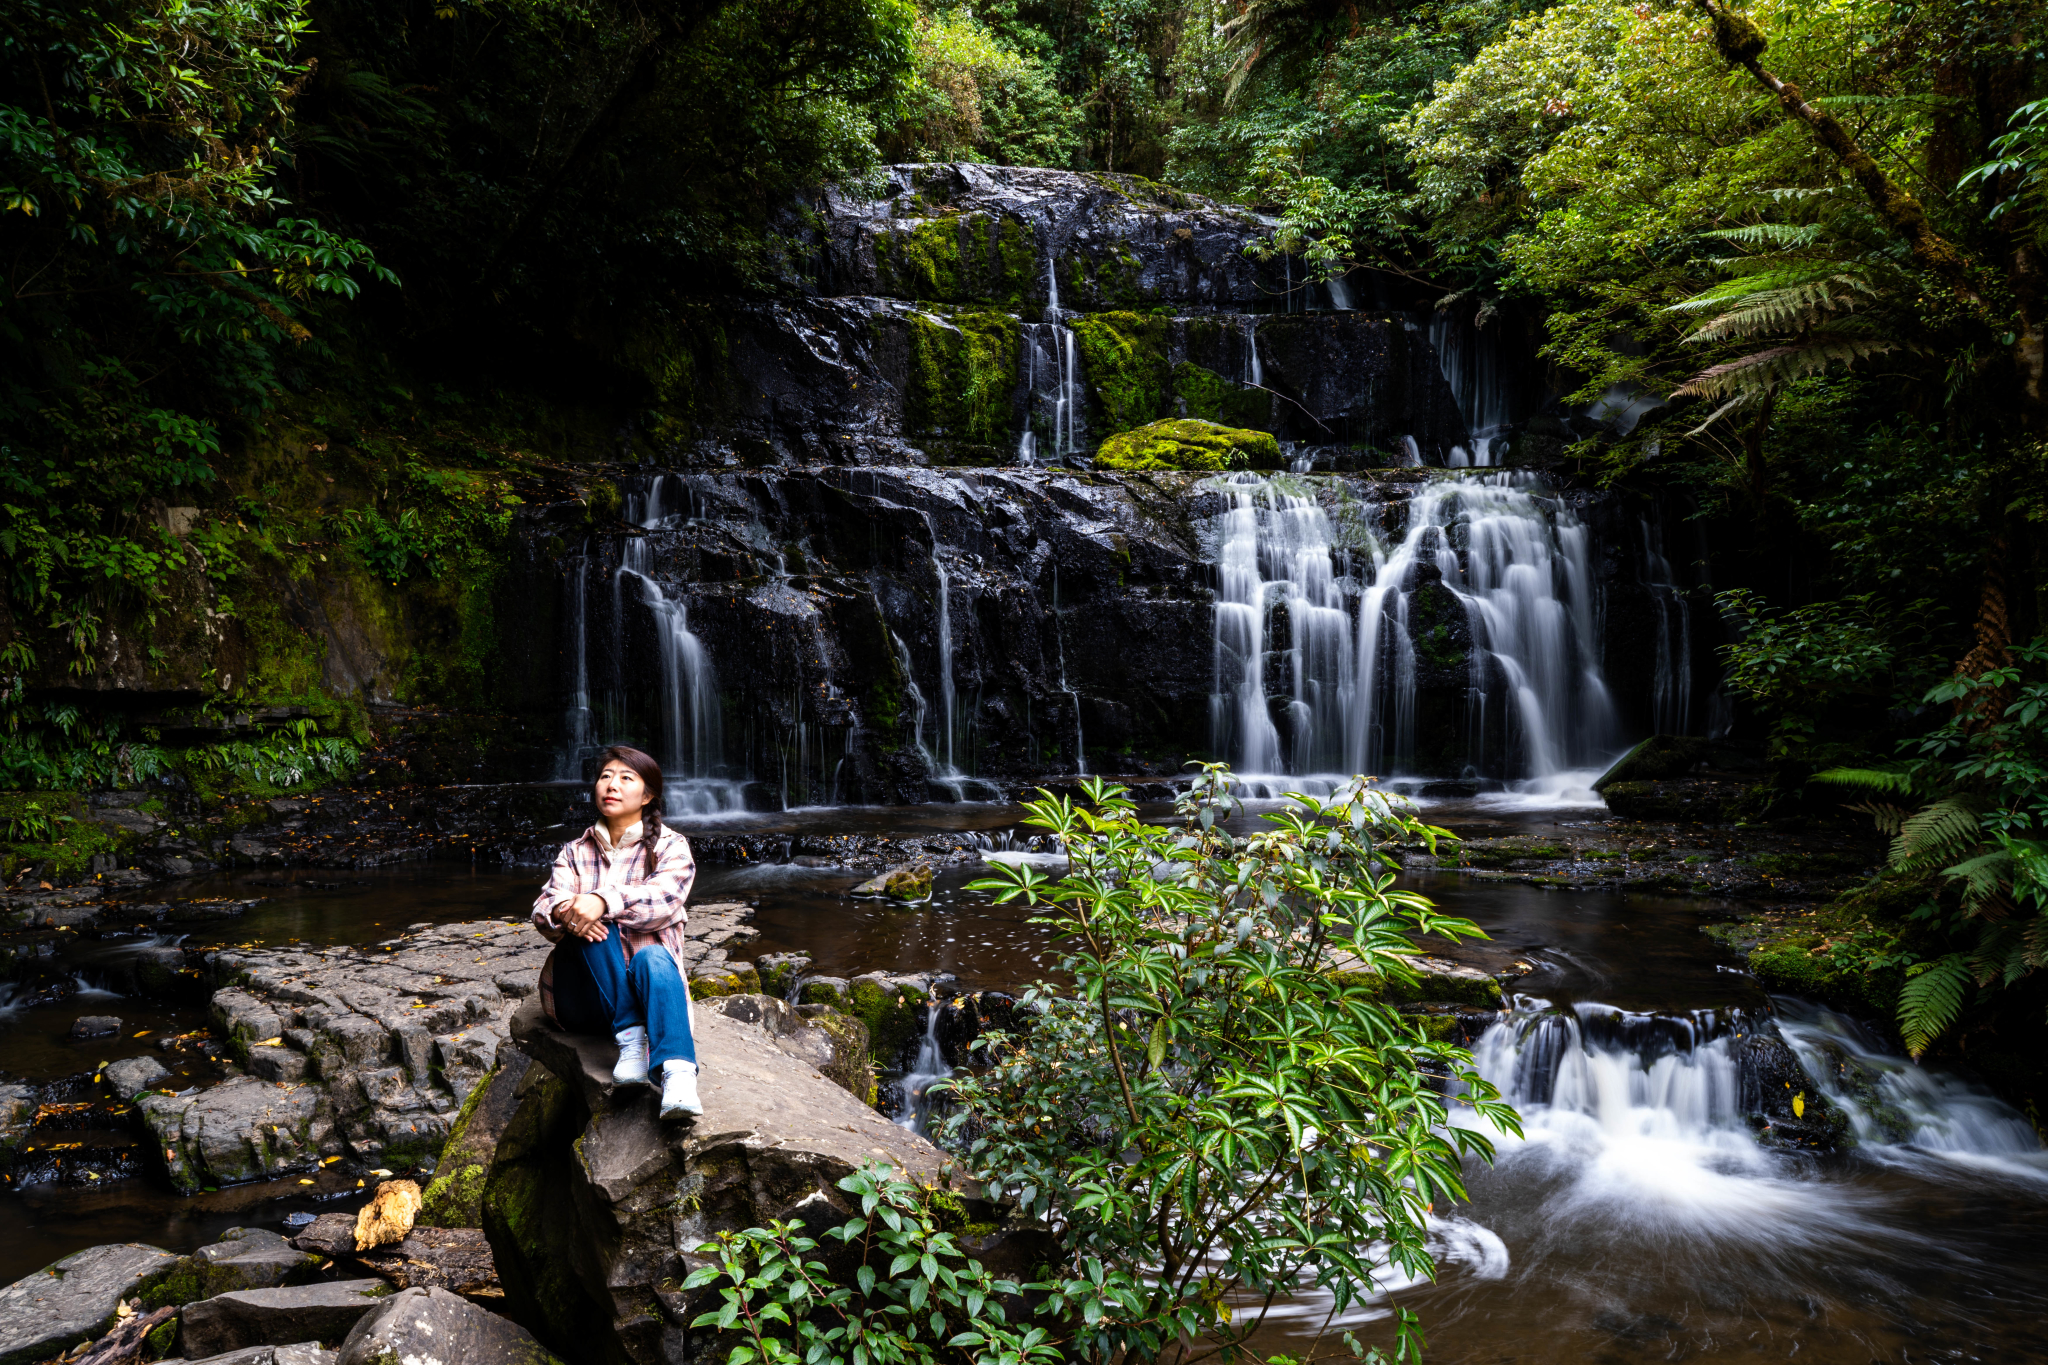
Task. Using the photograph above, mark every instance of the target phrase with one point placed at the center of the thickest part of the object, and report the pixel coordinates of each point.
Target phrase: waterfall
(1469, 356)
(927, 1068)
(1902, 1110)
(1254, 372)
(687, 707)
(1671, 687)
(1051, 350)
(946, 696)
(1514, 568)
(1073, 697)
(578, 732)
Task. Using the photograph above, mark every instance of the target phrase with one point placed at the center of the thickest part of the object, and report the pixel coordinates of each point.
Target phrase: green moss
(1124, 357)
(821, 993)
(851, 1068)
(1188, 443)
(962, 371)
(891, 1017)
(1206, 394)
(161, 1338)
(958, 258)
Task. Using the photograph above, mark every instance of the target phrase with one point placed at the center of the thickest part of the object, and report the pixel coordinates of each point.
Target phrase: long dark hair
(650, 776)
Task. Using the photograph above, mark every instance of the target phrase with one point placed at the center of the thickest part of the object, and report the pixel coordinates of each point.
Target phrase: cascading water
(687, 706)
(1472, 365)
(927, 1069)
(1515, 564)
(1671, 685)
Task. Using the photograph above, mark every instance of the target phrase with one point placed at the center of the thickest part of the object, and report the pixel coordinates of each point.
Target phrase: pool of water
(1638, 1219)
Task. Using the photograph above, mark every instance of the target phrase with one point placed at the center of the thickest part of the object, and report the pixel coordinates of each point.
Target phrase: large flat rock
(73, 1300)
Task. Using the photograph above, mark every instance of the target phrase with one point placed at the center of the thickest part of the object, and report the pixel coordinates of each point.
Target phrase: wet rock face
(964, 234)
(967, 308)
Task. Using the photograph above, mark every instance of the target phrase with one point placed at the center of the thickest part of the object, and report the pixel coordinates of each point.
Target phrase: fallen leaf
(145, 1033)
(1799, 1105)
(269, 1042)
(380, 1173)
(305, 1182)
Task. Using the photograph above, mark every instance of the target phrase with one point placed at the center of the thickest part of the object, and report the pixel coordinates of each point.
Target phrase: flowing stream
(1646, 1214)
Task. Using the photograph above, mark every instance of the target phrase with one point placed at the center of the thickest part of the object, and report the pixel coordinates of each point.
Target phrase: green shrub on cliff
(1189, 443)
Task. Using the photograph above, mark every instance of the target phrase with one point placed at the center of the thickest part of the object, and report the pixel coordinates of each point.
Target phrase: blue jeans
(597, 991)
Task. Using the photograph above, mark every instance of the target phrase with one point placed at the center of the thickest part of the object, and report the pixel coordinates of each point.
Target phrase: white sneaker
(679, 1090)
(632, 1065)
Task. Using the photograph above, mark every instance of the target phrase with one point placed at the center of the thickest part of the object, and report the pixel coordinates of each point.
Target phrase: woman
(614, 911)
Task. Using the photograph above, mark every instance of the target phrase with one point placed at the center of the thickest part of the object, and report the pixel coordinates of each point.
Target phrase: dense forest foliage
(1811, 237)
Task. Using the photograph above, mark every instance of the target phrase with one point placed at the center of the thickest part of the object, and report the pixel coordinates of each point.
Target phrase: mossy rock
(893, 1014)
(712, 984)
(1124, 357)
(1189, 443)
(908, 884)
(853, 1068)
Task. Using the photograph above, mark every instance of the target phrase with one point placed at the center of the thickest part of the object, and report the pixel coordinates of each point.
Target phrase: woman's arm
(644, 906)
(564, 883)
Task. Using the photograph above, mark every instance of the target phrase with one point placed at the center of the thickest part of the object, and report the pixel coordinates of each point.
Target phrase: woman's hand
(583, 916)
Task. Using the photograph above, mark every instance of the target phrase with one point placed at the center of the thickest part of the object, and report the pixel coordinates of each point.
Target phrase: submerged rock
(95, 1026)
(907, 883)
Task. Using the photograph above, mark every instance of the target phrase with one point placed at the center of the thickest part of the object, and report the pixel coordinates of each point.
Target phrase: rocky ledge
(371, 1052)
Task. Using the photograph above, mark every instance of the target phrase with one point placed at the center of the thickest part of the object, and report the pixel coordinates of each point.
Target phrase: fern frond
(1769, 369)
(1939, 832)
(1983, 877)
(1871, 779)
(1735, 404)
(1887, 817)
(1756, 275)
(1931, 1000)
(1795, 308)
(1783, 236)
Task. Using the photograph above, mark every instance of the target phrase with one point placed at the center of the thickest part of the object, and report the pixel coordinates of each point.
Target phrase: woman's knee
(652, 961)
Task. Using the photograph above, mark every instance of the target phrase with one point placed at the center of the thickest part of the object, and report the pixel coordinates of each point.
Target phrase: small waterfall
(927, 1068)
(1276, 546)
(1469, 356)
(1052, 370)
(1671, 688)
(688, 706)
(946, 693)
(919, 708)
(579, 734)
(1903, 1109)
(1073, 697)
(1254, 372)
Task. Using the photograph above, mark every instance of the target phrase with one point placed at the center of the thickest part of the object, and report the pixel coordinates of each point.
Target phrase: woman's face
(620, 791)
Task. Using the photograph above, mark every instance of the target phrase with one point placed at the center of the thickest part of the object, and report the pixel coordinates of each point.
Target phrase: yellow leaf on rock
(1799, 1105)
(305, 1182)
(270, 1042)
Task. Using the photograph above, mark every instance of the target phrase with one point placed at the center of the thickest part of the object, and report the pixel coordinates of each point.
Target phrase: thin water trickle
(927, 1069)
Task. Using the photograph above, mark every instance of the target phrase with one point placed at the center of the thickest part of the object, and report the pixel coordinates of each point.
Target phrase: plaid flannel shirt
(644, 909)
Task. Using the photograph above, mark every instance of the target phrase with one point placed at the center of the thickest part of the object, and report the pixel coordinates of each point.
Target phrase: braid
(650, 833)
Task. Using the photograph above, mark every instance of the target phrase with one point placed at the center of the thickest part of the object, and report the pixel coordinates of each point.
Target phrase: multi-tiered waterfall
(872, 565)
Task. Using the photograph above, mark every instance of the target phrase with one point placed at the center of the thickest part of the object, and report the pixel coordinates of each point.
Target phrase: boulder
(298, 1353)
(908, 883)
(243, 1258)
(420, 1325)
(593, 1202)
(96, 1026)
(780, 972)
(456, 1259)
(17, 1115)
(242, 1129)
(273, 1317)
(73, 1300)
(1189, 443)
(455, 1198)
(835, 1043)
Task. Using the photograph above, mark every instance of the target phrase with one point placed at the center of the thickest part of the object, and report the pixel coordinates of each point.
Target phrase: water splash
(927, 1069)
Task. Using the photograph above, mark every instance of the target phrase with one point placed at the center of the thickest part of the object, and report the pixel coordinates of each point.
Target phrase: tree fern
(1773, 235)
(1930, 1001)
(1789, 308)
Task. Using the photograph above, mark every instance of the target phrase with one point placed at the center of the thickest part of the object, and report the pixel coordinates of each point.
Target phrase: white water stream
(1329, 614)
